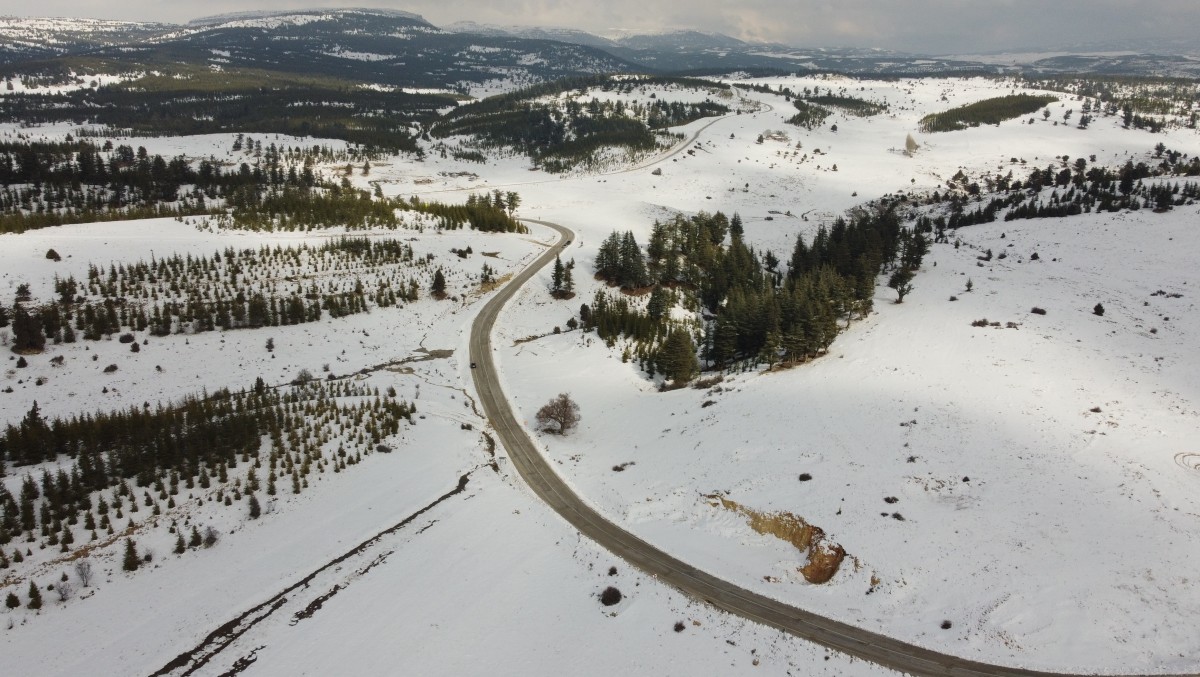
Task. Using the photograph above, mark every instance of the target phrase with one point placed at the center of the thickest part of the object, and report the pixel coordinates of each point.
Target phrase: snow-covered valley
(1033, 484)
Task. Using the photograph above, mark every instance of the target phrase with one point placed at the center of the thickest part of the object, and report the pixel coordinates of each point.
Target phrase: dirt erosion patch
(822, 557)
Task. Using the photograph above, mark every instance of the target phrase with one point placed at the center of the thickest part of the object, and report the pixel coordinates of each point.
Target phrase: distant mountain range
(403, 49)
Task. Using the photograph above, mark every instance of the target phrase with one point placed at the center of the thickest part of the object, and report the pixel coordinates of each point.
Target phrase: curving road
(538, 474)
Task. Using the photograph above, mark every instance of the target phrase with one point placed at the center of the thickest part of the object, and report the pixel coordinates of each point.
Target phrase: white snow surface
(1051, 535)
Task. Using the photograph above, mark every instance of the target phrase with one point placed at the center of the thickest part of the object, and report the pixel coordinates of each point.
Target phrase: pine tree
(180, 546)
(195, 540)
(12, 601)
(608, 259)
(438, 289)
(27, 331)
(131, 562)
(35, 597)
(677, 357)
(632, 268)
(255, 508)
(556, 284)
(901, 281)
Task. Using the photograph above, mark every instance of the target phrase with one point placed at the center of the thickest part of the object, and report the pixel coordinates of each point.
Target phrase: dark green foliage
(198, 438)
(753, 313)
(676, 359)
(11, 601)
(28, 336)
(1098, 310)
(620, 262)
(852, 105)
(207, 103)
(438, 287)
(987, 112)
(35, 597)
(131, 561)
(255, 508)
(1058, 191)
(810, 116)
(901, 281)
(559, 136)
(562, 280)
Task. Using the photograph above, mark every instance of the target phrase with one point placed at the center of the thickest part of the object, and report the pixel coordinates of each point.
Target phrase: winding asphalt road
(541, 477)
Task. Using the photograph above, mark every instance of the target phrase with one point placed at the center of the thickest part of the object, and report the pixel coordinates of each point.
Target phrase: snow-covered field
(1046, 474)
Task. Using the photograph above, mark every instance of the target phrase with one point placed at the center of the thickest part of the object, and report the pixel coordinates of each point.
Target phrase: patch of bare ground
(822, 558)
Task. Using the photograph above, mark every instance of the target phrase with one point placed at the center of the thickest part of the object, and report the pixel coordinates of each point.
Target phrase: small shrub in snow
(679, 626)
(612, 571)
(980, 323)
(126, 338)
(53, 255)
(1038, 311)
(610, 596)
(804, 477)
(110, 369)
(1098, 309)
(946, 625)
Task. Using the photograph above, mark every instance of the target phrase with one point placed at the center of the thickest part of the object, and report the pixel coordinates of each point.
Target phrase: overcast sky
(926, 26)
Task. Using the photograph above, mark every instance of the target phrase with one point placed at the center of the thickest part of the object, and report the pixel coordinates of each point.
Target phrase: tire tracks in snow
(188, 662)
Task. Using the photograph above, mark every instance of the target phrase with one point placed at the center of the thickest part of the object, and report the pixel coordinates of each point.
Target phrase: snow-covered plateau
(1024, 492)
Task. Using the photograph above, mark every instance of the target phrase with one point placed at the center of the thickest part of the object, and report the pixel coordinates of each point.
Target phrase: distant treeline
(206, 103)
(559, 135)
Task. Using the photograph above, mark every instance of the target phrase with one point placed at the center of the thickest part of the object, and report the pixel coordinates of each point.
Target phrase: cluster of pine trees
(75, 181)
(987, 112)
(561, 134)
(236, 289)
(206, 102)
(1142, 102)
(119, 463)
(1073, 188)
(809, 115)
(853, 105)
(752, 311)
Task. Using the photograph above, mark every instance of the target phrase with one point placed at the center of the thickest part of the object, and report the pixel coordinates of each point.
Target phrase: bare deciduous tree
(559, 415)
(83, 569)
(64, 591)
